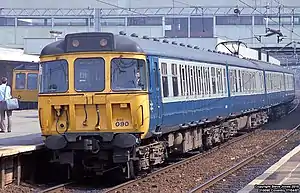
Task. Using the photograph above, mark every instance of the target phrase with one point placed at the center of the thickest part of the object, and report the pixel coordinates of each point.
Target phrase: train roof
(123, 43)
(272, 67)
(28, 66)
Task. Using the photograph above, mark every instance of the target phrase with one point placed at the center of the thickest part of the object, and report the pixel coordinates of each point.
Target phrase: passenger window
(231, 74)
(20, 80)
(175, 80)
(192, 82)
(235, 81)
(280, 82)
(208, 81)
(240, 81)
(225, 81)
(253, 81)
(213, 80)
(164, 74)
(195, 80)
(250, 81)
(271, 81)
(262, 81)
(203, 80)
(268, 82)
(32, 79)
(243, 81)
(219, 81)
(187, 78)
(259, 82)
(199, 81)
(275, 82)
(183, 80)
(247, 82)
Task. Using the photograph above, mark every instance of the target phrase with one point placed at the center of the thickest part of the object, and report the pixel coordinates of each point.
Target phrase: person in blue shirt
(5, 93)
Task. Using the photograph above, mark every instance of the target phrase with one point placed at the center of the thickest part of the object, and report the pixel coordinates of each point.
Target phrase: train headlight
(103, 42)
(75, 43)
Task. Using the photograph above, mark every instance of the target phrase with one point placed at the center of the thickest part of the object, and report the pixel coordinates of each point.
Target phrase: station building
(27, 24)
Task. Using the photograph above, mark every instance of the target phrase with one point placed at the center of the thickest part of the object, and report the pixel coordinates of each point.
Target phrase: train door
(155, 94)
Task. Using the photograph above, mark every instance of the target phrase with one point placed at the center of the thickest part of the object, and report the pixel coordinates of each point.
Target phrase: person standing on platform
(5, 93)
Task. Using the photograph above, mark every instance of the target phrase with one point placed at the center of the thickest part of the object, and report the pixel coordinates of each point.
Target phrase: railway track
(181, 164)
(242, 164)
(57, 188)
(62, 187)
(120, 188)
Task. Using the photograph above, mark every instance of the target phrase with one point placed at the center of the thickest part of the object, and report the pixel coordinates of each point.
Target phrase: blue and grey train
(115, 100)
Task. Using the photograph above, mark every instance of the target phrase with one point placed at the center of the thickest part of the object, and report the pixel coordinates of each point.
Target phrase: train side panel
(239, 104)
(176, 113)
(168, 113)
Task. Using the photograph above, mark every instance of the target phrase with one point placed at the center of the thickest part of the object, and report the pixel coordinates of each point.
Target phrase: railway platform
(25, 131)
(24, 138)
(283, 176)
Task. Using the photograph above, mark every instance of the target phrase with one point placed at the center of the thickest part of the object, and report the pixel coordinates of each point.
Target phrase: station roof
(9, 54)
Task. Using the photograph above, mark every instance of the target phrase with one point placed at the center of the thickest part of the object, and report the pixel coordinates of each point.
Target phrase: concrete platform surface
(285, 174)
(25, 130)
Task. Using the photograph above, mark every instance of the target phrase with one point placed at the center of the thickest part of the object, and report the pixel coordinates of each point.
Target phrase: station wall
(33, 35)
(14, 36)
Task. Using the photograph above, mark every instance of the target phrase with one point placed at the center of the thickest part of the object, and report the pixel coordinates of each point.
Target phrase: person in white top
(5, 93)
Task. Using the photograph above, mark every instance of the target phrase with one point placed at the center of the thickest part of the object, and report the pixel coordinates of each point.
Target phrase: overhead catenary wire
(269, 18)
(293, 40)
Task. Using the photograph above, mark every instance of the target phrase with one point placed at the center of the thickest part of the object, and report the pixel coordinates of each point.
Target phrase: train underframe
(25, 105)
(89, 154)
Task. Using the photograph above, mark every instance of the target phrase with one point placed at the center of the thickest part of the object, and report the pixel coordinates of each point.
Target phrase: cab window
(89, 74)
(54, 76)
(32, 79)
(20, 80)
(128, 74)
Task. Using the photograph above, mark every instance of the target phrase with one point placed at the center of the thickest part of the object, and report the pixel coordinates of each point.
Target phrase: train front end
(93, 102)
(25, 85)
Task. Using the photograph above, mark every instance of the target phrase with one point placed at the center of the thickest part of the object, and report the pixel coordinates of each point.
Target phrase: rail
(56, 188)
(121, 187)
(241, 164)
